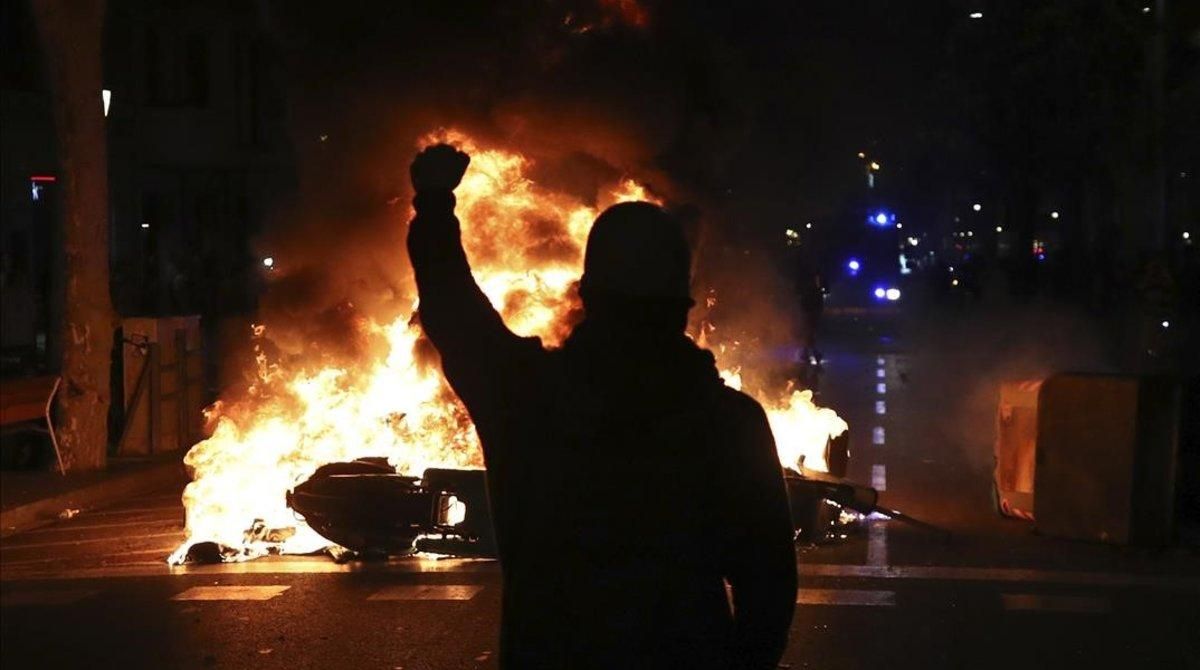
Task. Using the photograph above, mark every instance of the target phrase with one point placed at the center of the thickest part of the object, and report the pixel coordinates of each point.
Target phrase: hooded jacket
(628, 484)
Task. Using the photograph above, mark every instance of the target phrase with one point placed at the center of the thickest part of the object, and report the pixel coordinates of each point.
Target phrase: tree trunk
(72, 35)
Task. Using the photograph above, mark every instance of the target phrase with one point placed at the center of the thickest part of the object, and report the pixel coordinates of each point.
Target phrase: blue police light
(880, 293)
(854, 266)
(881, 219)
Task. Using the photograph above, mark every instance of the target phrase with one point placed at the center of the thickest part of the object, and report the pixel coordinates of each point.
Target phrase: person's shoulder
(740, 404)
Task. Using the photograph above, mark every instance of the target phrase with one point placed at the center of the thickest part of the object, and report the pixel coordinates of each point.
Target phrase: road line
(881, 388)
(880, 407)
(69, 543)
(878, 435)
(971, 574)
(846, 597)
(124, 524)
(1037, 602)
(240, 592)
(173, 509)
(880, 361)
(877, 543)
(879, 477)
(161, 552)
(273, 566)
(880, 373)
(44, 598)
(427, 592)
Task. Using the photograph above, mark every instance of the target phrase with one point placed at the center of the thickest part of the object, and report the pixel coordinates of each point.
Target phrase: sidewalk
(31, 499)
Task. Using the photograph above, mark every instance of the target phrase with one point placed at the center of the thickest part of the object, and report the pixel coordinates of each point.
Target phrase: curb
(125, 485)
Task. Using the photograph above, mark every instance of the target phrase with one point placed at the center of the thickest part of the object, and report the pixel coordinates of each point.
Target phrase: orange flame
(525, 244)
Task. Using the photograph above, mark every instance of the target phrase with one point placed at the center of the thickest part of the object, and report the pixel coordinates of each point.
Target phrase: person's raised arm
(455, 314)
(760, 557)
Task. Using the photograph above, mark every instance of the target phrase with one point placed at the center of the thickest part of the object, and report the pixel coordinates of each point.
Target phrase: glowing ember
(525, 244)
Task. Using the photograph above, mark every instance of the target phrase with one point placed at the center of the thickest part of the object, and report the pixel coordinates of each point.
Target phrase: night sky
(755, 110)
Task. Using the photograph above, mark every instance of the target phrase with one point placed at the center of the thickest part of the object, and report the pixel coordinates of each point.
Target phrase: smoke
(963, 356)
(585, 91)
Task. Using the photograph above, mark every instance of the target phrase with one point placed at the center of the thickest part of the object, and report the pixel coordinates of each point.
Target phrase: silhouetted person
(626, 480)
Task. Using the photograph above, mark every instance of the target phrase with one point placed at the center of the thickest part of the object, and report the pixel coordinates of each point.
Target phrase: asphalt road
(93, 591)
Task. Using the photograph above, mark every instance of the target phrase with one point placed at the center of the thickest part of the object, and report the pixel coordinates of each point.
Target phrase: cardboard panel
(1105, 458)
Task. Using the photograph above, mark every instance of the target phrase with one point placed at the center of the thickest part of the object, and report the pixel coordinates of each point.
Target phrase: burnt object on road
(817, 500)
(367, 508)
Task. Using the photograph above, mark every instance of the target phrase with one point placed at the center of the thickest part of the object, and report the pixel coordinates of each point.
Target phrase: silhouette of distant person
(627, 482)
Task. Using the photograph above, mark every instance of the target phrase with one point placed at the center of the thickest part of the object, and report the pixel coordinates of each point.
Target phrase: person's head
(637, 268)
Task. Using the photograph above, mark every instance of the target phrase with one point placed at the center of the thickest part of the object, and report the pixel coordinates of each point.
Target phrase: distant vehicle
(869, 264)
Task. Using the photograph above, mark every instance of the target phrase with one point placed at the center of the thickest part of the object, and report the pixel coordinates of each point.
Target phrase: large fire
(525, 244)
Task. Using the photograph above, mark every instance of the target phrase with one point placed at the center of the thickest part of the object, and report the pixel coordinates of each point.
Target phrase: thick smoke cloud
(589, 98)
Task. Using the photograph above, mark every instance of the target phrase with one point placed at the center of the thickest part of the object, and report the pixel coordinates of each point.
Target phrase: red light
(44, 178)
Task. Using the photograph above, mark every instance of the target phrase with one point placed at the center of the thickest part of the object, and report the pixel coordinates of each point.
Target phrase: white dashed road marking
(881, 388)
(1034, 602)
(878, 436)
(880, 407)
(427, 592)
(846, 597)
(880, 373)
(231, 593)
(879, 477)
(877, 543)
(879, 360)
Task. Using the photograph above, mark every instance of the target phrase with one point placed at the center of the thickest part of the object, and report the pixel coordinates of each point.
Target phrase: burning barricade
(376, 454)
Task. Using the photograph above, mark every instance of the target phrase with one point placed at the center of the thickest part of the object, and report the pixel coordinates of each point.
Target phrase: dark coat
(627, 484)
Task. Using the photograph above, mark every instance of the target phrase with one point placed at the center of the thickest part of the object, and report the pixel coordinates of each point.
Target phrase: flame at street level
(525, 244)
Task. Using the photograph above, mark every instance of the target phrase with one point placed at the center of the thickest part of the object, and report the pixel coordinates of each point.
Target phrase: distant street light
(999, 229)
(1054, 215)
(977, 207)
(808, 226)
(861, 155)
(1187, 235)
(899, 225)
(145, 226)
(976, 15)
(106, 99)
(268, 262)
(875, 166)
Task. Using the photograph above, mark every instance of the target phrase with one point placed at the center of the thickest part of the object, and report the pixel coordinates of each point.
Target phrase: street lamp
(976, 15)
(1054, 215)
(977, 207)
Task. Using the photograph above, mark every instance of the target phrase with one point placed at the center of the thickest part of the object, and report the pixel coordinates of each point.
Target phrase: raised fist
(438, 167)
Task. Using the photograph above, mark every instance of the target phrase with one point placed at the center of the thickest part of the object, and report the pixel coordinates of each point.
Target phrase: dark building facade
(198, 155)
